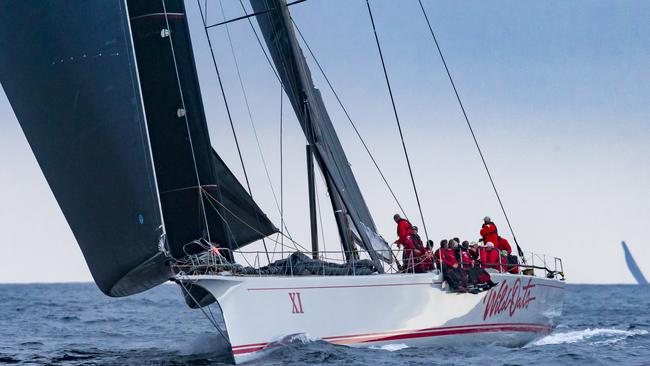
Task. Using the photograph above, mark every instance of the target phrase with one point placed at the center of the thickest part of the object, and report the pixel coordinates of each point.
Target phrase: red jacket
(493, 259)
(489, 234)
(448, 257)
(409, 256)
(502, 244)
(465, 259)
(403, 230)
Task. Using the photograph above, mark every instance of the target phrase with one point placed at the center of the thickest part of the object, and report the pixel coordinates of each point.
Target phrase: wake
(597, 336)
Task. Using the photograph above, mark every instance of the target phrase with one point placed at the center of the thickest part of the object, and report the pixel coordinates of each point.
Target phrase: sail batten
(275, 22)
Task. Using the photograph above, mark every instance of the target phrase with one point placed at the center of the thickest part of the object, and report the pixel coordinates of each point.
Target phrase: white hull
(411, 309)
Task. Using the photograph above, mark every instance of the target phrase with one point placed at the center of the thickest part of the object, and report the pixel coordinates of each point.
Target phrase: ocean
(75, 324)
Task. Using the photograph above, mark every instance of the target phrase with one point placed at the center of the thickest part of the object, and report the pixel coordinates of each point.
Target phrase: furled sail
(191, 177)
(68, 70)
(275, 22)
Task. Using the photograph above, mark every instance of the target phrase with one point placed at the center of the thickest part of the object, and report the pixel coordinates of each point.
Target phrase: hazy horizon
(558, 94)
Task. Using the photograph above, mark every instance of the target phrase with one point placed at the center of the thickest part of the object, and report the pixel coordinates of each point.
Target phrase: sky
(558, 93)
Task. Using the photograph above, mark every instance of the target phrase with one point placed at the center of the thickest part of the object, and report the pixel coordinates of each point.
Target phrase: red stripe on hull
(425, 333)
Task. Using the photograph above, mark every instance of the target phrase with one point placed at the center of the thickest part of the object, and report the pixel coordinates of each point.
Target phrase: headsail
(632, 266)
(68, 70)
(114, 116)
(189, 171)
(275, 22)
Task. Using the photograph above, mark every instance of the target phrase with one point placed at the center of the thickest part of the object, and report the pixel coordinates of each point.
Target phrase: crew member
(489, 231)
(417, 240)
(493, 257)
(502, 244)
(466, 261)
(404, 229)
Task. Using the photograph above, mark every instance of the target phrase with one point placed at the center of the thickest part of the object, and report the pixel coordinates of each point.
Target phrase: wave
(297, 338)
(391, 347)
(595, 336)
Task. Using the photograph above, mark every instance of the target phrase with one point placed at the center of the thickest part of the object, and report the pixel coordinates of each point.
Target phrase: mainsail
(275, 22)
(107, 95)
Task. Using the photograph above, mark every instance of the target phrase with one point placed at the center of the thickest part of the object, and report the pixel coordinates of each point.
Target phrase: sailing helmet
(487, 219)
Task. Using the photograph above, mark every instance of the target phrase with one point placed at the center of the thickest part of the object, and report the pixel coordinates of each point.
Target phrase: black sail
(94, 87)
(68, 70)
(192, 179)
(275, 22)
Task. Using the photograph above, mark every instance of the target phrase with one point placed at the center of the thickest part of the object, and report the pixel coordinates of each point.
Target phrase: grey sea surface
(75, 324)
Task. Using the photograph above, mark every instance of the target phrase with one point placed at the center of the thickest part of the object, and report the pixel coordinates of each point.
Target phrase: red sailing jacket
(403, 230)
(489, 234)
(448, 257)
(493, 259)
(408, 253)
(465, 259)
(503, 244)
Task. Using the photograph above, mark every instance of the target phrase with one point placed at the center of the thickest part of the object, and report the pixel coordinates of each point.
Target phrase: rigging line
(471, 130)
(210, 197)
(225, 101)
(281, 162)
(266, 55)
(250, 114)
(234, 239)
(187, 123)
(246, 223)
(211, 320)
(246, 16)
(206, 10)
(363, 142)
(399, 126)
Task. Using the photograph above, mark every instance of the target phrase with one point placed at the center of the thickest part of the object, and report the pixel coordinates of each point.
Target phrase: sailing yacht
(107, 94)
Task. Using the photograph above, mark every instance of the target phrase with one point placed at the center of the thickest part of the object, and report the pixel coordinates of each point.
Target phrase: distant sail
(275, 22)
(68, 70)
(634, 268)
(174, 157)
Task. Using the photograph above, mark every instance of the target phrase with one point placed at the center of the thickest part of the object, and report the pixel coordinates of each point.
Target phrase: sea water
(74, 324)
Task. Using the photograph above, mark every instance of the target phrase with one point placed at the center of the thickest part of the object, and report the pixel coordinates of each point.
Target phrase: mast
(312, 202)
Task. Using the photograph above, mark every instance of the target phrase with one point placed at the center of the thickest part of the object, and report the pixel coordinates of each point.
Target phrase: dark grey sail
(632, 266)
(68, 70)
(192, 178)
(275, 22)
(94, 87)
